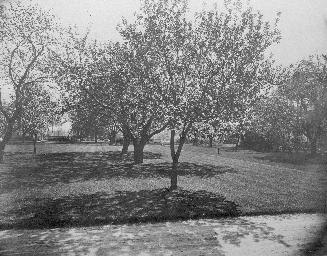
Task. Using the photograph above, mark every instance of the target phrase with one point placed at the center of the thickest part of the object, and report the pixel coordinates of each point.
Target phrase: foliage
(170, 71)
(27, 35)
(275, 120)
(226, 68)
(90, 120)
(295, 113)
(210, 131)
(38, 111)
(307, 89)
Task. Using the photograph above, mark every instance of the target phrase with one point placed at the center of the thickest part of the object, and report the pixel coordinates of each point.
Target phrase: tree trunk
(112, 138)
(238, 142)
(95, 136)
(173, 175)
(176, 154)
(138, 151)
(195, 140)
(241, 142)
(313, 146)
(210, 141)
(126, 142)
(34, 143)
(6, 138)
(2, 151)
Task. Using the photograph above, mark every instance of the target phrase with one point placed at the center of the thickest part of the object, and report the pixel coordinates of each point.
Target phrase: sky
(303, 23)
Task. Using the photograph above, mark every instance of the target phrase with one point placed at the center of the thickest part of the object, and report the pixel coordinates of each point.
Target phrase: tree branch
(3, 111)
(29, 66)
(159, 130)
(10, 66)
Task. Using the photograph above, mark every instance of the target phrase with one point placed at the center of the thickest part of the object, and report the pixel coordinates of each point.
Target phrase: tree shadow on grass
(120, 208)
(72, 167)
(21, 170)
(295, 158)
(76, 157)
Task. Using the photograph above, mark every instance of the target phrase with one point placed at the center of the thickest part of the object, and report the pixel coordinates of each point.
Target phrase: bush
(256, 142)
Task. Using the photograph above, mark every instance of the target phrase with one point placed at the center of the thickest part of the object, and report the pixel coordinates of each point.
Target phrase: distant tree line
(294, 116)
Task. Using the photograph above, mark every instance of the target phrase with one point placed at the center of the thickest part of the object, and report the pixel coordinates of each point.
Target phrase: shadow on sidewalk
(201, 237)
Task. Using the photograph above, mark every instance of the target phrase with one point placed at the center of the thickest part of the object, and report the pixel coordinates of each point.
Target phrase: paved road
(260, 235)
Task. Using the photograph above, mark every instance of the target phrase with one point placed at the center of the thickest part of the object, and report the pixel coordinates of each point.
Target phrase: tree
(27, 33)
(38, 112)
(170, 46)
(90, 120)
(172, 73)
(296, 109)
(217, 129)
(126, 85)
(228, 70)
(138, 95)
(111, 77)
(214, 67)
(307, 89)
(275, 119)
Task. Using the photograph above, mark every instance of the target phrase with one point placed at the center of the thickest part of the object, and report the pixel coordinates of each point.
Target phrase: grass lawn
(88, 184)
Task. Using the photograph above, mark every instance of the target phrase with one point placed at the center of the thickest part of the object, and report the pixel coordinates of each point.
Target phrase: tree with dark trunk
(117, 79)
(126, 143)
(208, 74)
(126, 140)
(313, 146)
(7, 136)
(112, 137)
(175, 153)
(34, 143)
(171, 73)
(210, 141)
(39, 111)
(95, 137)
(23, 50)
(138, 150)
(90, 120)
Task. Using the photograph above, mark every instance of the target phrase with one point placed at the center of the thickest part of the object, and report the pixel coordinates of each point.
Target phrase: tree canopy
(27, 36)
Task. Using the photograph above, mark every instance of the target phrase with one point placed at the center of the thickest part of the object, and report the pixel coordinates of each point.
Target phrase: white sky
(303, 22)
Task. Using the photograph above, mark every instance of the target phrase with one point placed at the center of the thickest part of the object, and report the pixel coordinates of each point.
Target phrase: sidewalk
(260, 235)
